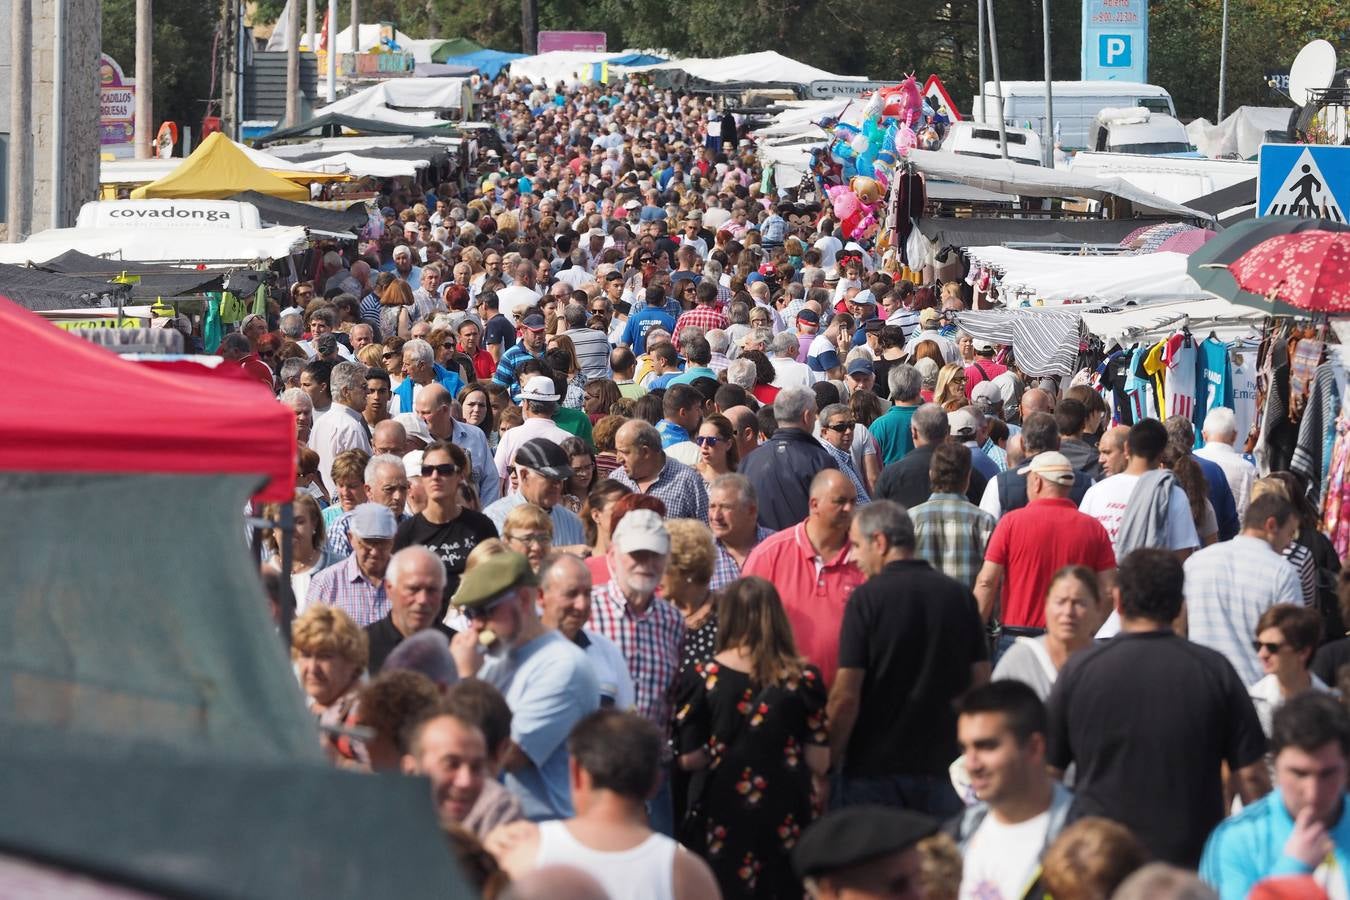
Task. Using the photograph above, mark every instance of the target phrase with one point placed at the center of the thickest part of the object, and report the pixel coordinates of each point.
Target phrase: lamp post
(1223, 61)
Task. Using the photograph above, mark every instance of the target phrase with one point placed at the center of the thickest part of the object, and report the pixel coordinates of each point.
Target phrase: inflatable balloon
(903, 102)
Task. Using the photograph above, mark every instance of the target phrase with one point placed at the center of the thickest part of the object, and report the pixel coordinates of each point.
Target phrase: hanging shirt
(1244, 398)
(1179, 394)
(1154, 369)
(1216, 382)
(1139, 388)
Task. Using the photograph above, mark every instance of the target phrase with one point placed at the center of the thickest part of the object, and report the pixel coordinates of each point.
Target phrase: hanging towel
(1145, 521)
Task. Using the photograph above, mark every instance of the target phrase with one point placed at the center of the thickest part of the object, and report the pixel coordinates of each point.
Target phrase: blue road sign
(1113, 51)
(1303, 180)
(1115, 40)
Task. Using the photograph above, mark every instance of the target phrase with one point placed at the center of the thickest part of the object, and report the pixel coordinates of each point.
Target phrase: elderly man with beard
(546, 679)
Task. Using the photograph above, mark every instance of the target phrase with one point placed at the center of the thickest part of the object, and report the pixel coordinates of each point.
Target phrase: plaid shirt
(845, 461)
(344, 586)
(723, 295)
(339, 541)
(725, 568)
(650, 643)
(951, 533)
(701, 316)
(996, 453)
(680, 488)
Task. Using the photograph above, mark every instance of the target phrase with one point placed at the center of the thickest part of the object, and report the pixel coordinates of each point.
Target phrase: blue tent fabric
(636, 59)
(489, 62)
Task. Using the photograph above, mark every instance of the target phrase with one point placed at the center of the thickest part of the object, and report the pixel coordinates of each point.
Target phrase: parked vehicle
(1076, 105)
(976, 139)
(1139, 131)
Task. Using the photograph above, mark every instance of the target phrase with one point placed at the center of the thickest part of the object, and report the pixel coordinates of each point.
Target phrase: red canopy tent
(81, 408)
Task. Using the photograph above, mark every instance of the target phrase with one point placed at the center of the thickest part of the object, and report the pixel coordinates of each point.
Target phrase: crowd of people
(690, 549)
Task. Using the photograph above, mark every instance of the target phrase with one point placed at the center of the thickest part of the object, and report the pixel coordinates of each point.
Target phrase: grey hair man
(415, 583)
(386, 482)
(342, 427)
(1220, 432)
(733, 516)
(789, 372)
(891, 430)
(781, 471)
(565, 604)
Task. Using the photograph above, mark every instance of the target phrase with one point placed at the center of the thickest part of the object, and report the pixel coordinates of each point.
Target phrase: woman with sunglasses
(445, 526)
(950, 392)
(1287, 635)
(716, 441)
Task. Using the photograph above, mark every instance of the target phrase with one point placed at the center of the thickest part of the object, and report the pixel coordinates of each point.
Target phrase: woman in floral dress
(750, 723)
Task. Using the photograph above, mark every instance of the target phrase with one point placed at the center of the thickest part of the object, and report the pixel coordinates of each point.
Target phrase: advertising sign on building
(1115, 40)
(117, 103)
(571, 40)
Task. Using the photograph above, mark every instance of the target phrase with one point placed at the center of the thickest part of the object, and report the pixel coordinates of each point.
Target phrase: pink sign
(571, 40)
(117, 103)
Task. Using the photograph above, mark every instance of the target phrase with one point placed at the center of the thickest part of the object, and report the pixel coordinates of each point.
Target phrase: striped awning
(1045, 341)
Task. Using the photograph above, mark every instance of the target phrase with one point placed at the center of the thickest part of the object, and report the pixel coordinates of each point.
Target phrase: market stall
(217, 169)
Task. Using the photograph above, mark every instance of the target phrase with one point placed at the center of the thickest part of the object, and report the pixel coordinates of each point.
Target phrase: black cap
(857, 835)
(544, 457)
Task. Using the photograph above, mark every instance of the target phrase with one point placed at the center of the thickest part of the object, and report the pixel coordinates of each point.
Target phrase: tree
(184, 31)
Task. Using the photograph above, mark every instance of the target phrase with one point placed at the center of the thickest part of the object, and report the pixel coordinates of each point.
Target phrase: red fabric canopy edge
(73, 406)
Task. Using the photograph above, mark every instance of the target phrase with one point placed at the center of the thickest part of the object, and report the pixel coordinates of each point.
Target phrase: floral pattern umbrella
(1309, 270)
(1187, 242)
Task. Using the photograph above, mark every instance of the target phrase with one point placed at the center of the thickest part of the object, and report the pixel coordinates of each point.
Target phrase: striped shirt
(650, 643)
(951, 533)
(845, 461)
(680, 488)
(592, 352)
(508, 367)
(725, 568)
(342, 585)
(1228, 586)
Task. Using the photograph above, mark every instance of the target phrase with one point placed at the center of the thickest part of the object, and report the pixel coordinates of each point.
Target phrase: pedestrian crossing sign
(1306, 180)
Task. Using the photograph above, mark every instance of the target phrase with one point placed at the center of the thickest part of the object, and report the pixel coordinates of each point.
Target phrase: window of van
(1156, 104)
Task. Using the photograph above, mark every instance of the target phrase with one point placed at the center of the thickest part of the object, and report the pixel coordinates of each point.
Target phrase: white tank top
(646, 872)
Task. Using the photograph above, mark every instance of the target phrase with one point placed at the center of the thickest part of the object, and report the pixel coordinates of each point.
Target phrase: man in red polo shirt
(1029, 545)
(813, 568)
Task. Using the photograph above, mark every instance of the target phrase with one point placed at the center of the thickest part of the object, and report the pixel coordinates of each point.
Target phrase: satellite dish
(1313, 70)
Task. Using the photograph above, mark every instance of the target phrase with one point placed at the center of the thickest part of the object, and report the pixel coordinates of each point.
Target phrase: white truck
(1137, 130)
(1076, 105)
(975, 139)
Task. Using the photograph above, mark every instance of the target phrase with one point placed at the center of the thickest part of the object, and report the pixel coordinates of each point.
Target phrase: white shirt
(516, 295)
(1106, 501)
(950, 352)
(532, 427)
(338, 430)
(686, 452)
(1001, 860)
(1238, 471)
(576, 276)
(790, 373)
(611, 670)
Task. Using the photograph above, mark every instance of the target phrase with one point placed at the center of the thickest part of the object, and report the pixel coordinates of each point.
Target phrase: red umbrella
(1309, 270)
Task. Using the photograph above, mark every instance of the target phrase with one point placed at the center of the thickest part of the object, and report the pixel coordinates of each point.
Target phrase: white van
(975, 139)
(1076, 105)
(1136, 130)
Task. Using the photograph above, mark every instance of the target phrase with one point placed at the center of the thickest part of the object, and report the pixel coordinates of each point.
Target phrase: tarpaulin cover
(275, 211)
(155, 281)
(1241, 134)
(1045, 341)
(82, 409)
(38, 290)
(764, 67)
(1056, 279)
(144, 244)
(218, 169)
(1005, 177)
(154, 732)
(973, 232)
(442, 70)
(400, 94)
(456, 46)
(489, 62)
(336, 122)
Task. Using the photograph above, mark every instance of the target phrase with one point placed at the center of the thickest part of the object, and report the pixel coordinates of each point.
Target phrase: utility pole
(293, 63)
(1223, 62)
(979, 44)
(1048, 145)
(145, 77)
(311, 38)
(332, 50)
(356, 26)
(998, 79)
(19, 196)
(59, 115)
(529, 25)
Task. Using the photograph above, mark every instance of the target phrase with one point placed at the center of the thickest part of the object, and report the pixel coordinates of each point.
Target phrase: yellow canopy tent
(218, 169)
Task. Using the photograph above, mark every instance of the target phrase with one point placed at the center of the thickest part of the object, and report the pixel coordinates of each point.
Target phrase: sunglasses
(389, 355)
(473, 613)
(445, 470)
(1272, 649)
(841, 427)
(707, 440)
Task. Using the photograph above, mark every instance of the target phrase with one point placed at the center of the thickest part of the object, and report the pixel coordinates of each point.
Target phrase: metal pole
(145, 76)
(238, 71)
(332, 50)
(58, 113)
(998, 79)
(1048, 146)
(293, 63)
(1223, 61)
(979, 6)
(287, 604)
(19, 196)
(356, 26)
(310, 41)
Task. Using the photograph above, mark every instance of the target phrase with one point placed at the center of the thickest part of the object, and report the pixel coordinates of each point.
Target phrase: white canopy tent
(377, 167)
(765, 67)
(1005, 177)
(212, 246)
(1241, 134)
(401, 95)
(1026, 275)
(558, 65)
(1228, 320)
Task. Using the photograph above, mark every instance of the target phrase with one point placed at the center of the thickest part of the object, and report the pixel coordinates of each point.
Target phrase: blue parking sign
(1113, 51)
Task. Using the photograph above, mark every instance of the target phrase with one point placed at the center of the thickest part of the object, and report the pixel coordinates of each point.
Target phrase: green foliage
(183, 34)
(884, 39)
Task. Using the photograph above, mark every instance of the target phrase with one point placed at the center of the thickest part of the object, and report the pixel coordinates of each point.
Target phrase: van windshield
(1156, 104)
(1156, 148)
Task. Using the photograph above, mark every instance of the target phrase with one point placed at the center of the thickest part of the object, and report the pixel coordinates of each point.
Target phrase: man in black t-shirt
(910, 645)
(498, 331)
(1150, 718)
(415, 583)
